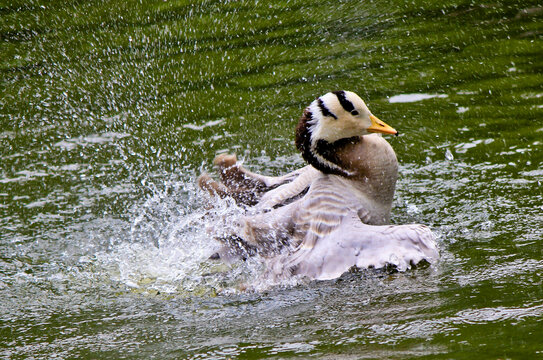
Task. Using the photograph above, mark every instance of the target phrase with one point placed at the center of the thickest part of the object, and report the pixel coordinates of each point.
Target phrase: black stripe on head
(325, 110)
(323, 148)
(347, 105)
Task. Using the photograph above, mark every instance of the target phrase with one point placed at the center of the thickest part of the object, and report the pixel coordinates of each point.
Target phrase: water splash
(171, 238)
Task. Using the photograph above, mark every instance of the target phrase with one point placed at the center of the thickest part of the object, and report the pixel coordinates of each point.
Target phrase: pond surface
(109, 110)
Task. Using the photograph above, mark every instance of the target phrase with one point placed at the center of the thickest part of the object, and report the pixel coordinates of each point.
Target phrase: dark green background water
(110, 109)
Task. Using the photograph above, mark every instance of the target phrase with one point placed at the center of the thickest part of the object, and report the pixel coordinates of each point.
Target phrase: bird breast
(374, 168)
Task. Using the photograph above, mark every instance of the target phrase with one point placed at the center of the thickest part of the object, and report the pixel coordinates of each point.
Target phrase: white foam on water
(408, 98)
(204, 125)
(92, 139)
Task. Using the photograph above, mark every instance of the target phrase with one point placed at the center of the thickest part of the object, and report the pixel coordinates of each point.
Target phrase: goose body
(332, 215)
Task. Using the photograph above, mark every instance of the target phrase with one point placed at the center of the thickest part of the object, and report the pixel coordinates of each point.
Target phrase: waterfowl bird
(332, 215)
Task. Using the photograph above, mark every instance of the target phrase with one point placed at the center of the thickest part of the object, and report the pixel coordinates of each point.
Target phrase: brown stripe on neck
(303, 136)
(330, 151)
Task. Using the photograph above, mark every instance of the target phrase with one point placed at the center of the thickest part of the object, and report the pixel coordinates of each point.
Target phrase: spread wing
(333, 239)
(289, 190)
(355, 244)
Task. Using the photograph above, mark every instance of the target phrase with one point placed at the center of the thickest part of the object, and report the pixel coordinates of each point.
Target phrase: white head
(332, 117)
(343, 114)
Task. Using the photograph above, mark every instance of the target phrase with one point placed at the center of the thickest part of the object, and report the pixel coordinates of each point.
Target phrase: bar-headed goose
(328, 217)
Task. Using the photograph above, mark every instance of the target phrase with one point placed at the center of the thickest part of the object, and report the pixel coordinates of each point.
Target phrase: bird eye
(354, 112)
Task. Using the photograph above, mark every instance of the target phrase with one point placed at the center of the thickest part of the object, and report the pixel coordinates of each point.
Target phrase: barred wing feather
(334, 240)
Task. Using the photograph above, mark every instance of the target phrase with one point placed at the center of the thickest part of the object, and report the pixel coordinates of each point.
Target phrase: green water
(110, 109)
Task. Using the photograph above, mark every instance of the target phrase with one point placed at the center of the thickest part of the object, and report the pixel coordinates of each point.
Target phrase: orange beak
(377, 126)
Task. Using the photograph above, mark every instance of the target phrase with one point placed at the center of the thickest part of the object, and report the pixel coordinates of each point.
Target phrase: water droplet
(448, 155)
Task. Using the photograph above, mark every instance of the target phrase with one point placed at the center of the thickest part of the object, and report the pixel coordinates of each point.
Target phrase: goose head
(332, 121)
